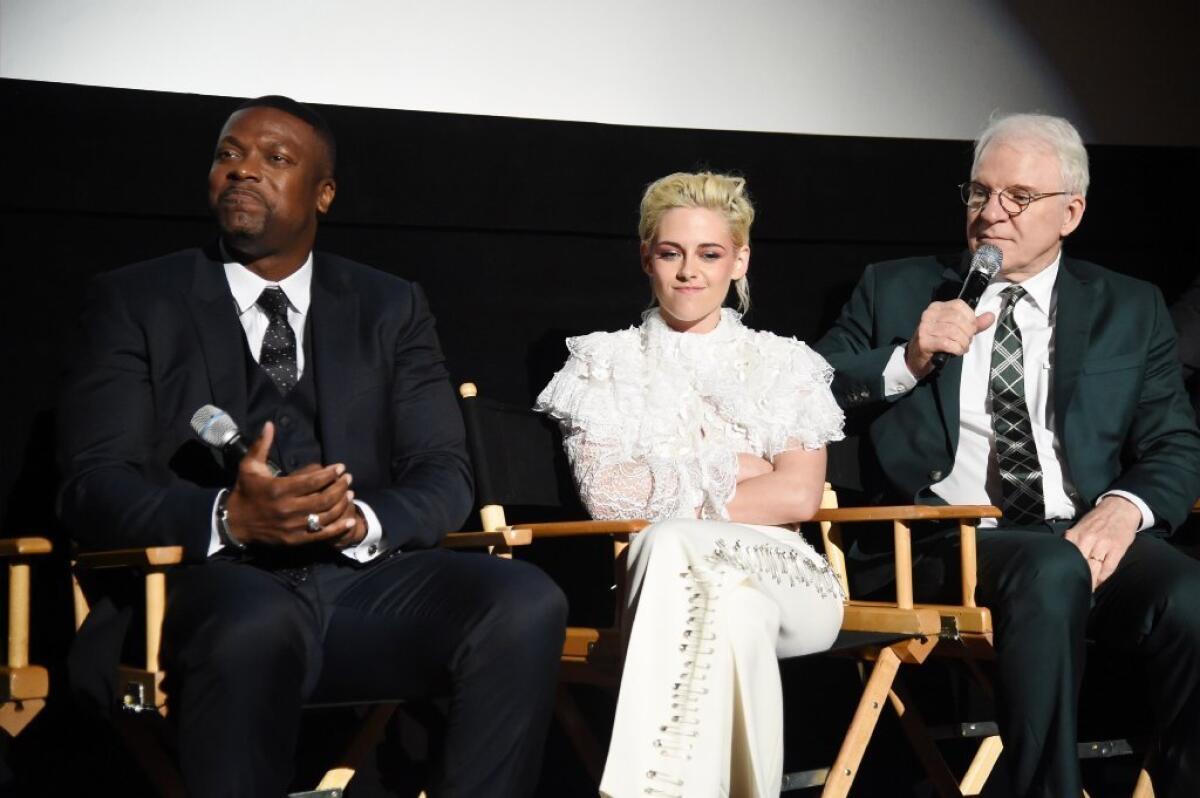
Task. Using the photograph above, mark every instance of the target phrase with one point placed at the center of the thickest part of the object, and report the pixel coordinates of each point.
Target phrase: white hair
(1054, 132)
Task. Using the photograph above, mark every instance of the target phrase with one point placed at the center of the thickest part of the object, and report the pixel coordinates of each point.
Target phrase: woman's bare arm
(790, 493)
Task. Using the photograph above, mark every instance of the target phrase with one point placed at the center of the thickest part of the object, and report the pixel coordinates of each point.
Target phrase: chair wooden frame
(141, 686)
(23, 687)
(965, 631)
(879, 615)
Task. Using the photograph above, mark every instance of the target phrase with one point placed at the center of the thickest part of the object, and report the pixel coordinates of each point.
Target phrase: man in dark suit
(1062, 404)
(325, 582)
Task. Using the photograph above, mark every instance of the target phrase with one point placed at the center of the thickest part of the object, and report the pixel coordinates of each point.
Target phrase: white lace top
(653, 419)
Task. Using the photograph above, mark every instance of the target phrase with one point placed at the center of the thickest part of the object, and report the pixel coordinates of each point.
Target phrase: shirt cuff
(897, 379)
(214, 537)
(368, 548)
(1147, 515)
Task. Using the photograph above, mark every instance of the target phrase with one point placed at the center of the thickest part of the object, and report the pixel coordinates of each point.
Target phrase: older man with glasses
(1061, 402)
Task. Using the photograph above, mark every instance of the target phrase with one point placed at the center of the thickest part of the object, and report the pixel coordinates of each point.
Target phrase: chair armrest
(525, 534)
(911, 512)
(152, 557)
(504, 536)
(23, 547)
(900, 516)
(872, 616)
(573, 529)
(155, 559)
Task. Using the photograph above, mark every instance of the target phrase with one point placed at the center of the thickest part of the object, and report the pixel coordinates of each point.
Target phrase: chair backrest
(519, 462)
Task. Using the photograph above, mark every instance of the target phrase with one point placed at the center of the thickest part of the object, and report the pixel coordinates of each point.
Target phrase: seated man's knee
(1179, 598)
(1048, 572)
(527, 608)
(234, 647)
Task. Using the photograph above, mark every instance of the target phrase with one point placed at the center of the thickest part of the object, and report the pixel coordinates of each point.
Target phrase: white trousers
(713, 606)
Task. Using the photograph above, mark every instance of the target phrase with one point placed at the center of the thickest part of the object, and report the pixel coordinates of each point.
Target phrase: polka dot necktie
(278, 355)
(1016, 454)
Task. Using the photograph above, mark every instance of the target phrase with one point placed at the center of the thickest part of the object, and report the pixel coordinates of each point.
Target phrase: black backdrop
(521, 231)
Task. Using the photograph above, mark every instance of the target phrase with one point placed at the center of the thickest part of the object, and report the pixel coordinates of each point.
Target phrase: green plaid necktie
(278, 354)
(1016, 455)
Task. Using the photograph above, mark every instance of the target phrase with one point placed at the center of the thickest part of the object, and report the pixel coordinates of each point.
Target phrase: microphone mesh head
(987, 259)
(214, 426)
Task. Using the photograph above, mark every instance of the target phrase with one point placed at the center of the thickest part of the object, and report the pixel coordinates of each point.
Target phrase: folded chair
(24, 689)
(143, 701)
(965, 634)
(519, 462)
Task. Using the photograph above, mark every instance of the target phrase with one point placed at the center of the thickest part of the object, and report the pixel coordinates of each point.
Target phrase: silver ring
(313, 522)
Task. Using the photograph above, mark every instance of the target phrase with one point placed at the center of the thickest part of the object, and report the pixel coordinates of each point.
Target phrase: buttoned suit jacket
(1118, 406)
(162, 338)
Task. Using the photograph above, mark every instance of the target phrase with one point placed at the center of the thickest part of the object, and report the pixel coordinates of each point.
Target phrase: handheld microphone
(216, 428)
(985, 264)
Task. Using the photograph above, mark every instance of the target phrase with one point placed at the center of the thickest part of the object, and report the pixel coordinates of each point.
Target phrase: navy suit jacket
(161, 338)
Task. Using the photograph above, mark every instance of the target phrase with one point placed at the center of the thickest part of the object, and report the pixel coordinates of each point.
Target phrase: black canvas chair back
(519, 461)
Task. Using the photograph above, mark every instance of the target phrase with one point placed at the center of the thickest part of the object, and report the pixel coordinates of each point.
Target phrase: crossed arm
(709, 484)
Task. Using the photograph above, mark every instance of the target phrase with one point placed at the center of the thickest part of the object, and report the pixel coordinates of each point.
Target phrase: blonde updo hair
(725, 194)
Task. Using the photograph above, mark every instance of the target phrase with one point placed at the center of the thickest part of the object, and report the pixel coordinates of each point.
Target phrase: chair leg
(862, 726)
(16, 715)
(1144, 787)
(366, 738)
(145, 736)
(982, 765)
(922, 744)
(576, 727)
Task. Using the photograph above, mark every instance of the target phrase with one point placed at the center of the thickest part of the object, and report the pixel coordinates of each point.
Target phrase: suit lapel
(333, 318)
(1073, 319)
(946, 382)
(215, 317)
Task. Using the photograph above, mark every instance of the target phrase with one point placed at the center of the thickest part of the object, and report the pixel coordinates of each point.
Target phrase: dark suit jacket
(1120, 411)
(161, 338)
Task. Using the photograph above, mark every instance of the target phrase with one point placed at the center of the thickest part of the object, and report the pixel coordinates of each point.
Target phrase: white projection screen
(894, 68)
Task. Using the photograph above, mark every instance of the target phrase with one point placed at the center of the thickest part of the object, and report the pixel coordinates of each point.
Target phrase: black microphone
(218, 429)
(985, 264)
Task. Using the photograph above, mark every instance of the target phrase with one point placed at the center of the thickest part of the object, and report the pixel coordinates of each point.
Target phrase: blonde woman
(715, 432)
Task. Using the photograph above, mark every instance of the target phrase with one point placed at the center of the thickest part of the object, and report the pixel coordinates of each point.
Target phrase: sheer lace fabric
(653, 419)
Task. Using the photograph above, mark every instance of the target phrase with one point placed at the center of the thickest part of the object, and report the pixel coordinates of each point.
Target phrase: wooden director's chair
(519, 462)
(965, 634)
(25, 687)
(144, 702)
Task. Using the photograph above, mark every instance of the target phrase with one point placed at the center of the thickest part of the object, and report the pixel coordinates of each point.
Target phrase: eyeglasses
(1012, 200)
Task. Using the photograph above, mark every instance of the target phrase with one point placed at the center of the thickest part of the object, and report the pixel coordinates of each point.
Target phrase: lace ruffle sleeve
(622, 468)
(794, 406)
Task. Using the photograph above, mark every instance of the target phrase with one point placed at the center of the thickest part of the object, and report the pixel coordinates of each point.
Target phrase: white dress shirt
(975, 477)
(246, 287)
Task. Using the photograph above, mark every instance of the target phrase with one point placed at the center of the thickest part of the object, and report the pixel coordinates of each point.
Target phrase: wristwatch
(223, 532)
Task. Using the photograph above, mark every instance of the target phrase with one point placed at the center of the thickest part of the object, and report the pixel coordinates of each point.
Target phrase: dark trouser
(244, 648)
(1038, 587)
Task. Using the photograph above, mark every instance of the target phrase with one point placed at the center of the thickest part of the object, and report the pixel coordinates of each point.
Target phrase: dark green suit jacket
(1119, 407)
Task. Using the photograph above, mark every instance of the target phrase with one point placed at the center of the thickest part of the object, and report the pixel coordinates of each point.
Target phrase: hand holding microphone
(266, 508)
(947, 328)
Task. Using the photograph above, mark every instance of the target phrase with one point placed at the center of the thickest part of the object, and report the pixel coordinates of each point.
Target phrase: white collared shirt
(975, 478)
(246, 287)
